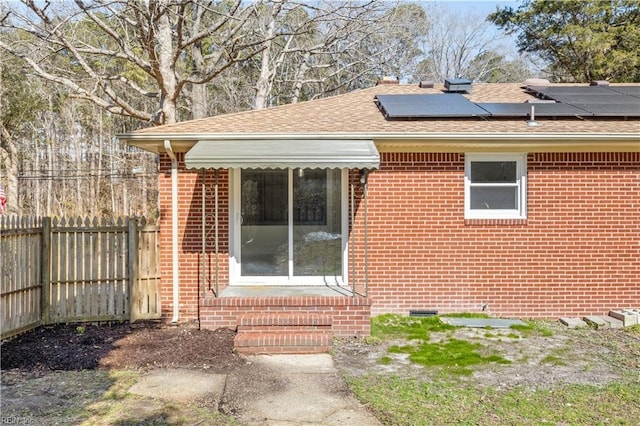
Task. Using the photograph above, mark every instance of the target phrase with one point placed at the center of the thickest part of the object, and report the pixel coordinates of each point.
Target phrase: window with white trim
(495, 186)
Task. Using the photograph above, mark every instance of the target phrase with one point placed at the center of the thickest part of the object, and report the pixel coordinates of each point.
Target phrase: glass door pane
(264, 231)
(317, 226)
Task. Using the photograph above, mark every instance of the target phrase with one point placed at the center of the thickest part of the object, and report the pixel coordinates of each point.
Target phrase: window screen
(495, 185)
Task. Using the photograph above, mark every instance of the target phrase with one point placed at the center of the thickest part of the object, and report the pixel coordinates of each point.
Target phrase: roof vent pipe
(532, 117)
(426, 84)
(603, 83)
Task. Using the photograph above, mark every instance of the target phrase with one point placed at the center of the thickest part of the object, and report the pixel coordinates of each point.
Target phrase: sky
(481, 6)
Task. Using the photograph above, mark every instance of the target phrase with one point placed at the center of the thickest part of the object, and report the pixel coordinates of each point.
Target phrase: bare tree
(118, 47)
(130, 58)
(19, 106)
(159, 61)
(314, 49)
(58, 156)
(465, 45)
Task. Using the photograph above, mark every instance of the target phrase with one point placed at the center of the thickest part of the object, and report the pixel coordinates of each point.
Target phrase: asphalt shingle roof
(356, 113)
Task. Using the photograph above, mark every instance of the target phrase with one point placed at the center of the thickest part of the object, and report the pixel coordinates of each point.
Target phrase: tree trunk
(199, 101)
(199, 104)
(300, 76)
(265, 80)
(9, 157)
(263, 85)
(9, 161)
(98, 179)
(49, 176)
(37, 197)
(166, 67)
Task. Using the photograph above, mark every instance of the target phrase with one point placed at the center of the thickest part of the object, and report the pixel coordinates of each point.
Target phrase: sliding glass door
(290, 227)
(264, 227)
(317, 231)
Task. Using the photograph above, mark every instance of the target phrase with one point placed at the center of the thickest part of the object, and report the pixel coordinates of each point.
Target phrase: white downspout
(174, 231)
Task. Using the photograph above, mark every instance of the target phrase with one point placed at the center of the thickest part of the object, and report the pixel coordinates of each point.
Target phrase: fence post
(45, 273)
(132, 268)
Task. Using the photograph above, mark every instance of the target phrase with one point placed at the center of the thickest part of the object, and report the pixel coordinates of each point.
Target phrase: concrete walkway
(271, 390)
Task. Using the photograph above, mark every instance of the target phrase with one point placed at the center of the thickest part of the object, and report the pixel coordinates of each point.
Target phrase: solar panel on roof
(626, 90)
(611, 110)
(428, 106)
(524, 110)
(571, 101)
(575, 90)
(601, 101)
(612, 98)
(426, 98)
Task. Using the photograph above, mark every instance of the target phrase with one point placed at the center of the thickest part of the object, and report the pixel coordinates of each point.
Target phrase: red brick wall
(577, 253)
(189, 237)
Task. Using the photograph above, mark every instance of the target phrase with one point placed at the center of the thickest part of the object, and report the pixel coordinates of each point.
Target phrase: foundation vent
(422, 313)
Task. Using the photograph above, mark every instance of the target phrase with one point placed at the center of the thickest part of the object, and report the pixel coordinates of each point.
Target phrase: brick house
(398, 198)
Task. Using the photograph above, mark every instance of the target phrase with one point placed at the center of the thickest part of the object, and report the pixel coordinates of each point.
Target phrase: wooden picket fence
(77, 270)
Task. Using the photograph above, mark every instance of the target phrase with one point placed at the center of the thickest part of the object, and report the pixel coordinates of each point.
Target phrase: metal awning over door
(283, 153)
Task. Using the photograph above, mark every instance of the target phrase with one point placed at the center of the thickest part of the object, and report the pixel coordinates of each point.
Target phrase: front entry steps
(283, 333)
(616, 319)
(295, 321)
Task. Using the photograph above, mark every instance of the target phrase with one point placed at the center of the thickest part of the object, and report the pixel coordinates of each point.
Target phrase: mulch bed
(145, 345)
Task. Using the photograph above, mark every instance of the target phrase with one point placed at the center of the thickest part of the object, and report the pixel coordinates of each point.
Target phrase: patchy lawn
(420, 371)
(411, 371)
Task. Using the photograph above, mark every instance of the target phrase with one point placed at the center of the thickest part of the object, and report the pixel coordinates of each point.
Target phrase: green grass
(533, 328)
(385, 360)
(553, 360)
(450, 355)
(634, 329)
(390, 325)
(402, 401)
(453, 356)
(122, 381)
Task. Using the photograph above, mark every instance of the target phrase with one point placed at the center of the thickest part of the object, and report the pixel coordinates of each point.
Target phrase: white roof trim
(514, 137)
(283, 153)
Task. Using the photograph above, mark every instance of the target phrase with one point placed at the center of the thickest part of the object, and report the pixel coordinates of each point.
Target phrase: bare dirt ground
(143, 345)
(54, 373)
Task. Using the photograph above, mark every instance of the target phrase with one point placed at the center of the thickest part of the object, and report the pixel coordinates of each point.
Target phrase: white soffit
(276, 154)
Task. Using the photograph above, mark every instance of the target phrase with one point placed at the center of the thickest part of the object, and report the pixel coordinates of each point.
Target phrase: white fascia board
(380, 136)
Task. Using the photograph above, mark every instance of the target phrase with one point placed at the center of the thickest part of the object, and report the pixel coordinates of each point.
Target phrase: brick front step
(350, 316)
(293, 320)
(282, 342)
(283, 332)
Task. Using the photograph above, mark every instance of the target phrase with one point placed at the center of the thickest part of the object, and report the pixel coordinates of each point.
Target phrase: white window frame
(235, 222)
(520, 212)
